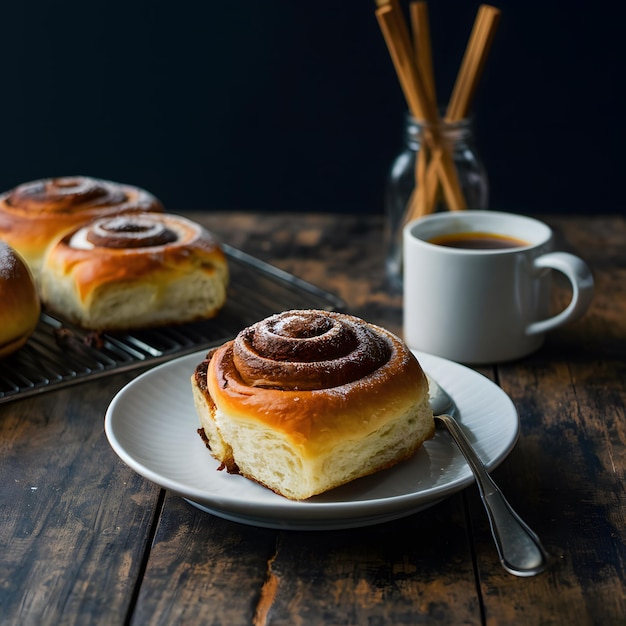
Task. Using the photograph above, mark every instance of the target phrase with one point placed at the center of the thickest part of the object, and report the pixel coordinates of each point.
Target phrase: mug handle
(581, 279)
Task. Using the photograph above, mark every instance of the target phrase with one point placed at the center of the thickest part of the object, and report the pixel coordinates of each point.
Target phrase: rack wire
(59, 354)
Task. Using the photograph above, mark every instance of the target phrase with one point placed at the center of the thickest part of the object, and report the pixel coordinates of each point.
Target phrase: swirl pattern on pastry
(308, 350)
(77, 194)
(138, 232)
(351, 362)
(112, 237)
(34, 215)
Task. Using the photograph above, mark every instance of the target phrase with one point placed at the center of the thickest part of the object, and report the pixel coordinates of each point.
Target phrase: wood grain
(206, 570)
(202, 569)
(567, 473)
(84, 540)
(74, 518)
(341, 253)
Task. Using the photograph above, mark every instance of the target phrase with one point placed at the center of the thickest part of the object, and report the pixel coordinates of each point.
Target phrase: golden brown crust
(200, 373)
(313, 417)
(35, 214)
(115, 261)
(135, 271)
(366, 409)
(20, 308)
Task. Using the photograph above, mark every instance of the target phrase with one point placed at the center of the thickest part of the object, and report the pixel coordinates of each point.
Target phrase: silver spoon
(519, 548)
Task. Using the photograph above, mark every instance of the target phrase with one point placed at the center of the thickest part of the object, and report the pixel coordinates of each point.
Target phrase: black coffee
(478, 241)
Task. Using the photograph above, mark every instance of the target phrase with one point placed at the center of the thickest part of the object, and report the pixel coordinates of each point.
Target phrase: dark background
(294, 105)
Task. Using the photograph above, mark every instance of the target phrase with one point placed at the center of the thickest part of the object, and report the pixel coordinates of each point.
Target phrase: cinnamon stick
(420, 105)
(472, 65)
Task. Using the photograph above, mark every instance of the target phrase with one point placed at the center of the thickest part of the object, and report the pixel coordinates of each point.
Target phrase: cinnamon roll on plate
(305, 401)
(135, 271)
(36, 214)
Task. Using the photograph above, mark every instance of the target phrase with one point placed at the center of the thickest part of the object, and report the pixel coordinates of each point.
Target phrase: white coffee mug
(482, 306)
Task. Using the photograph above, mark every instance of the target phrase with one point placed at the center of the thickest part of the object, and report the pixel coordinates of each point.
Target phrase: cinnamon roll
(305, 401)
(36, 214)
(135, 271)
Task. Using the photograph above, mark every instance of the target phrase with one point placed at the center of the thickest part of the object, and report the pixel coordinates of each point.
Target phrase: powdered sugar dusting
(8, 261)
(283, 323)
(308, 350)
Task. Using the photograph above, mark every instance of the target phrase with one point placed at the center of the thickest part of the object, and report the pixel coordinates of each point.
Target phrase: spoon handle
(519, 548)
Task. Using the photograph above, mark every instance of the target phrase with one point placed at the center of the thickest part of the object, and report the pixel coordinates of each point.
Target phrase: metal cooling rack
(59, 354)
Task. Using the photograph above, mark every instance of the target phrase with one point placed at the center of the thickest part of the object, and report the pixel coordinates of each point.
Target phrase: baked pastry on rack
(135, 271)
(36, 214)
(305, 401)
(19, 302)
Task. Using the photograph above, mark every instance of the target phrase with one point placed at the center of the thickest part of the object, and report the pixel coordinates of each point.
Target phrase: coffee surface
(478, 241)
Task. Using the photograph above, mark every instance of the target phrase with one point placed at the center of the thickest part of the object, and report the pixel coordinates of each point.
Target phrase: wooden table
(85, 540)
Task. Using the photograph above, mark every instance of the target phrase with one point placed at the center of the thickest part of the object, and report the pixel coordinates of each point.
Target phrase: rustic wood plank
(568, 471)
(417, 570)
(203, 570)
(206, 570)
(343, 254)
(75, 519)
(76, 522)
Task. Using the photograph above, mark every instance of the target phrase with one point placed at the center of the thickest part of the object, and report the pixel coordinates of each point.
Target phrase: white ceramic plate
(152, 426)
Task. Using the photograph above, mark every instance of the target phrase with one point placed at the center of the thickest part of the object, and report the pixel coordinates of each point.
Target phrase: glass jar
(401, 184)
